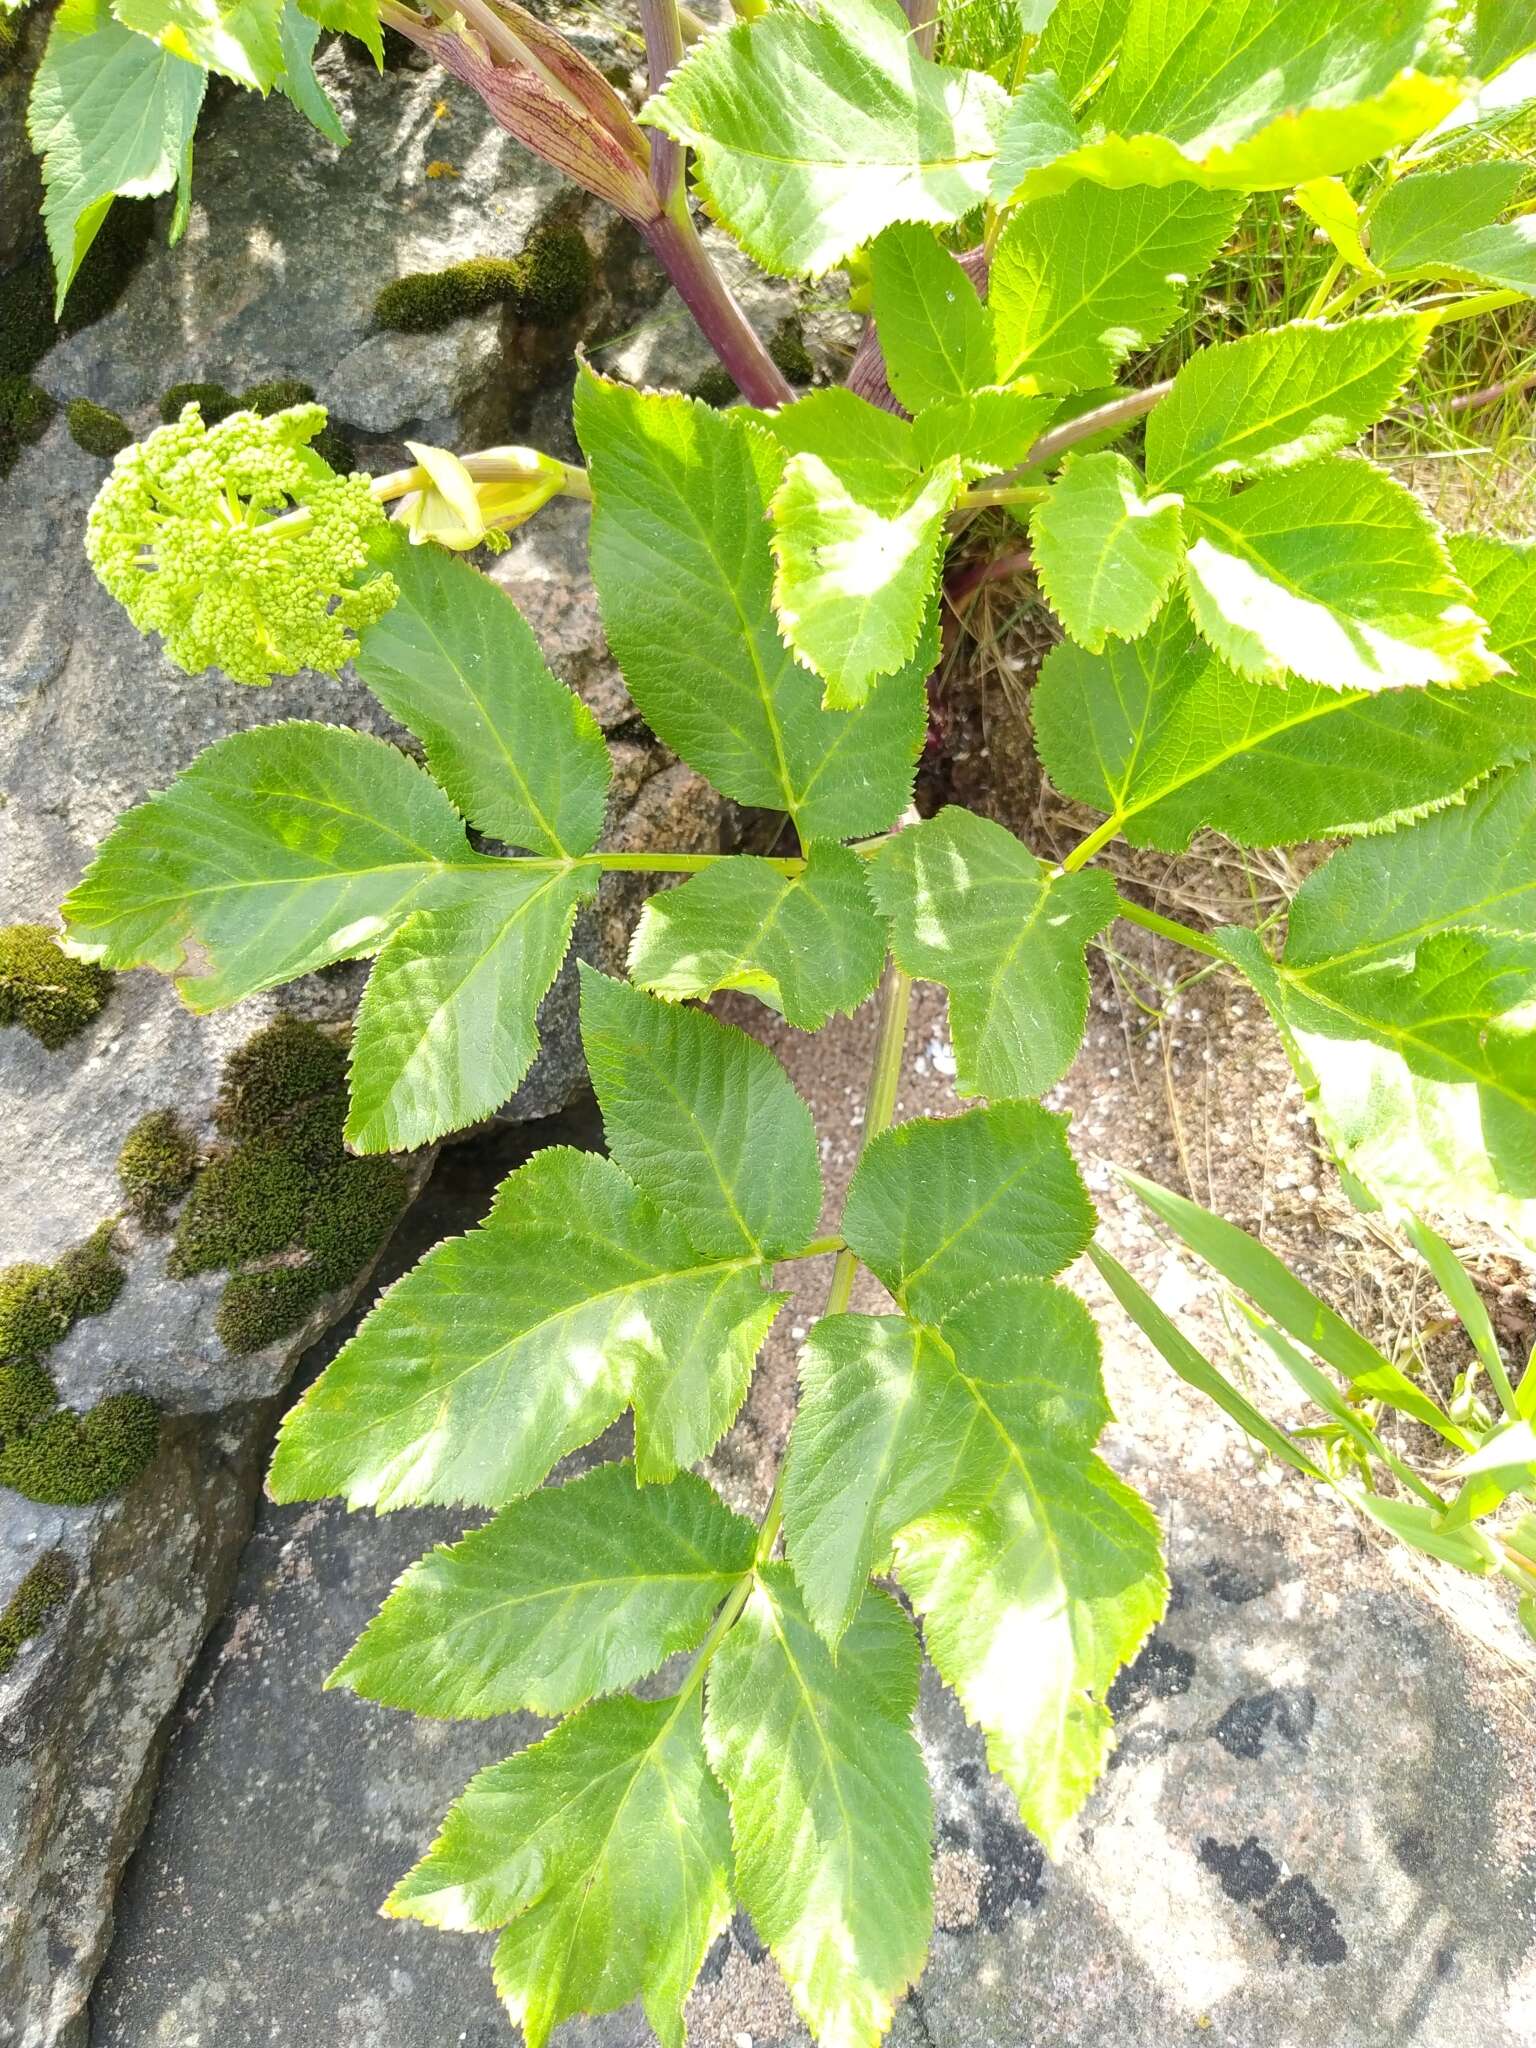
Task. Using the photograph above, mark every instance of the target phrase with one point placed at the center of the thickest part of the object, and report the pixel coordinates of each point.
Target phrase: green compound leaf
(1446, 224)
(1039, 129)
(240, 38)
(872, 452)
(937, 1208)
(232, 895)
(1105, 552)
(505, 1349)
(990, 430)
(1081, 280)
(830, 1810)
(814, 132)
(1041, 1573)
(854, 585)
(875, 1441)
(886, 1425)
(684, 574)
(1079, 40)
(1242, 95)
(1169, 740)
(1333, 207)
(577, 1590)
(1502, 31)
(1277, 399)
(1501, 575)
(447, 1027)
(607, 1848)
(703, 1119)
(454, 659)
(111, 115)
(973, 910)
(935, 333)
(297, 80)
(358, 18)
(806, 945)
(1334, 573)
(1425, 943)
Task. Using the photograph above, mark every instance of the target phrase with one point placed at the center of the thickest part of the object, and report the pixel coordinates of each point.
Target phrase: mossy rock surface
(47, 1586)
(156, 1164)
(285, 1211)
(43, 990)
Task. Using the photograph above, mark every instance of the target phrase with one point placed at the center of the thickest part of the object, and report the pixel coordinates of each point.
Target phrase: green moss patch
(96, 430)
(43, 989)
(25, 410)
(49, 1453)
(213, 401)
(786, 345)
(286, 1212)
(716, 387)
(546, 285)
(47, 1586)
(70, 1460)
(156, 1165)
(39, 1305)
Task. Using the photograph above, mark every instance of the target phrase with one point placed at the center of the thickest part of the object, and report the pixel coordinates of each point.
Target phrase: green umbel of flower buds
(239, 546)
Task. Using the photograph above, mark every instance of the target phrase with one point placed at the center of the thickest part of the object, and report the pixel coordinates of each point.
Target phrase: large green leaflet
(1082, 279)
(875, 1441)
(1105, 550)
(886, 1424)
(704, 1119)
(1167, 739)
(855, 583)
(231, 896)
(243, 39)
(604, 1851)
(815, 131)
(1245, 95)
(973, 909)
(1279, 398)
(684, 574)
(1334, 573)
(1446, 224)
(112, 115)
(938, 1207)
(1425, 943)
(807, 944)
(577, 1590)
(447, 1026)
(830, 1809)
(935, 332)
(858, 539)
(1040, 1573)
(506, 1348)
(454, 660)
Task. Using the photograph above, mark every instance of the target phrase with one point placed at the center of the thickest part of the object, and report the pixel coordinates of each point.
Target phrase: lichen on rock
(43, 990)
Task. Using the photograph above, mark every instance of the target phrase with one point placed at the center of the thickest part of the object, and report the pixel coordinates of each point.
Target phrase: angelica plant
(1263, 634)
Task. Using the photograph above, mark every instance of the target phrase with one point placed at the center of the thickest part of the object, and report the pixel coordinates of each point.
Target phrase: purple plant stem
(675, 243)
(663, 30)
